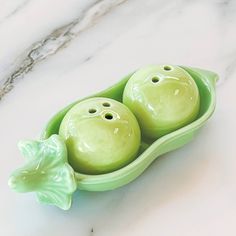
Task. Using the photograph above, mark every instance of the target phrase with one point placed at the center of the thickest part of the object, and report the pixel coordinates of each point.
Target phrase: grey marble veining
(57, 40)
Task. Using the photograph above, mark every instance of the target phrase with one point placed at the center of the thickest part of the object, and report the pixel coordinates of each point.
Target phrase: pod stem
(210, 76)
(47, 172)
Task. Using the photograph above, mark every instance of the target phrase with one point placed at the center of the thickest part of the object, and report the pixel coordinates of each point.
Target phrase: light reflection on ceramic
(46, 172)
(163, 98)
(101, 135)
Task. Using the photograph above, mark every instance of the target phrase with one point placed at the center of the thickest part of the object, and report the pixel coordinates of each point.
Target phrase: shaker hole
(109, 116)
(167, 68)
(106, 104)
(92, 110)
(155, 79)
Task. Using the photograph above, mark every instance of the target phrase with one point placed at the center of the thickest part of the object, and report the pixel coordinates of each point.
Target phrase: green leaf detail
(46, 172)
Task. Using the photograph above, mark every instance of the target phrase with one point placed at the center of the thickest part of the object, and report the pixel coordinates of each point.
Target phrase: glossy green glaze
(205, 81)
(148, 152)
(163, 98)
(46, 172)
(101, 135)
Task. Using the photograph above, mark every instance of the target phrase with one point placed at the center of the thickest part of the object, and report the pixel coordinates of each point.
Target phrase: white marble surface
(53, 52)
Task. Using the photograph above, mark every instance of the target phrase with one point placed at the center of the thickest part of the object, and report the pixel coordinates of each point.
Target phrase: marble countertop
(53, 52)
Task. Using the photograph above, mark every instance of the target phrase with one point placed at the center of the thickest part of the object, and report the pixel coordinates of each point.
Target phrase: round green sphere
(163, 98)
(101, 135)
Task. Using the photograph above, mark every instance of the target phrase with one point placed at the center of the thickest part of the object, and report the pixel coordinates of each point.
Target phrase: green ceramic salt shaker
(101, 135)
(163, 98)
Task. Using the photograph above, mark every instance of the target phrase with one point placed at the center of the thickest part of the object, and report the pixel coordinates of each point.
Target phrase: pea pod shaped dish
(48, 173)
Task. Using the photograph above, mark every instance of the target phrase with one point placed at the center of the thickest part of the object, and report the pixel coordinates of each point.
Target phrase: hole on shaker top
(167, 68)
(92, 110)
(109, 116)
(155, 79)
(106, 104)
